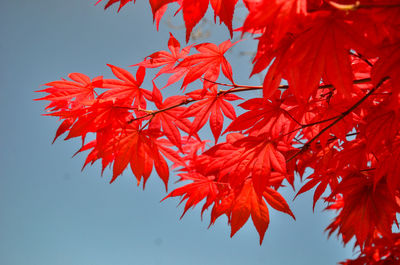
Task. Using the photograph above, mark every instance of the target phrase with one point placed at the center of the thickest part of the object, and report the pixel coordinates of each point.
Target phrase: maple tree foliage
(338, 114)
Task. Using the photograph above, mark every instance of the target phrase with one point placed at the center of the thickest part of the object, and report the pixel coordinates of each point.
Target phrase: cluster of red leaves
(380, 251)
(338, 115)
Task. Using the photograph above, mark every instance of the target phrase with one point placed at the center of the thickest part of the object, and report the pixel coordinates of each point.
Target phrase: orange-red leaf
(248, 203)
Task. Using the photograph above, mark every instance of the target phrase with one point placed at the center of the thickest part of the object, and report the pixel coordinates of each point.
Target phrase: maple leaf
(97, 116)
(224, 9)
(212, 105)
(63, 93)
(70, 98)
(171, 119)
(322, 51)
(363, 208)
(388, 167)
(156, 5)
(381, 126)
(263, 116)
(248, 203)
(194, 10)
(382, 250)
(327, 168)
(260, 158)
(279, 16)
(131, 146)
(201, 188)
(247, 157)
(316, 180)
(207, 63)
(164, 58)
(159, 7)
(127, 89)
(168, 60)
(276, 201)
(388, 66)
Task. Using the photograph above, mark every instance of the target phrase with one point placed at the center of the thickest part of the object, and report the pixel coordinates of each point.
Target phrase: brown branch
(302, 126)
(290, 116)
(367, 169)
(153, 113)
(235, 89)
(339, 118)
(234, 86)
(241, 88)
(360, 56)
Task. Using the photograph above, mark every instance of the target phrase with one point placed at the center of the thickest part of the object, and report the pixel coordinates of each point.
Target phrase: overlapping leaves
(338, 114)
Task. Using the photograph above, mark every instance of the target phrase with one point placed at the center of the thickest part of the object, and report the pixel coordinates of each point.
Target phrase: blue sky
(52, 213)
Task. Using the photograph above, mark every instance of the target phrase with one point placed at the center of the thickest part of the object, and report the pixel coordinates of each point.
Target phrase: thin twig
(360, 56)
(237, 88)
(241, 88)
(339, 118)
(153, 113)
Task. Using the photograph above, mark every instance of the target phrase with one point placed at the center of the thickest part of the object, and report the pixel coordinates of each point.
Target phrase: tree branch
(153, 113)
(339, 118)
(236, 89)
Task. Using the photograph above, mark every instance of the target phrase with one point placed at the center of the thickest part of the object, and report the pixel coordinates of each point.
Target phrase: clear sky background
(51, 213)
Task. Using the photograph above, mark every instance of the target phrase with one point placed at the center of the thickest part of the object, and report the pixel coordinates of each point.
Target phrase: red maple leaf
(224, 9)
(194, 10)
(63, 93)
(168, 61)
(263, 116)
(139, 149)
(388, 66)
(212, 105)
(248, 203)
(363, 208)
(156, 5)
(278, 18)
(201, 188)
(207, 63)
(322, 51)
(127, 89)
(130, 146)
(171, 118)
